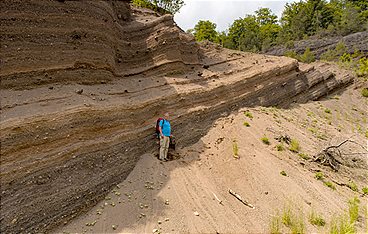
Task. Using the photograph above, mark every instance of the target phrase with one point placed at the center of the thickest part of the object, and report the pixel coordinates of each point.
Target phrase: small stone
(196, 213)
(155, 230)
(167, 219)
(159, 222)
(114, 227)
(79, 91)
(167, 202)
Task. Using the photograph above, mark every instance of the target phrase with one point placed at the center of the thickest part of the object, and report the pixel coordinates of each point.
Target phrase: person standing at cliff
(165, 133)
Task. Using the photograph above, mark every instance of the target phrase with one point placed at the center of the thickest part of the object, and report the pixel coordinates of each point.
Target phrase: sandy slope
(208, 167)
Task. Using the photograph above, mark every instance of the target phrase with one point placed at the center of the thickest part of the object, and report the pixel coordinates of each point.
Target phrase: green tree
(306, 18)
(224, 40)
(205, 30)
(244, 34)
(163, 6)
(265, 16)
(268, 27)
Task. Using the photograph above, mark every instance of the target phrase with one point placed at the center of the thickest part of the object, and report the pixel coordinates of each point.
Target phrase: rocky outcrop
(356, 41)
(82, 84)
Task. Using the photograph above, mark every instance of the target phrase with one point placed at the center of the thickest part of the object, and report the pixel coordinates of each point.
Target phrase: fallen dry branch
(241, 199)
(217, 199)
(328, 155)
(284, 138)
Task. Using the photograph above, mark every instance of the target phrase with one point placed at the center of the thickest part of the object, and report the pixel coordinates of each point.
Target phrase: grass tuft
(294, 146)
(304, 156)
(316, 219)
(341, 225)
(283, 173)
(293, 221)
(275, 225)
(365, 190)
(248, 114)
(235, 149)
(280, 147)
(319, 176)
(329, 184)
(328, 111)
(353, 186)
(246, 124)
(265, 140)
(365, 92)
(354, 209)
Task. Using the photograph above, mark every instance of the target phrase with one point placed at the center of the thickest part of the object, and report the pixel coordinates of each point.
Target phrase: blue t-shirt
(165, 126)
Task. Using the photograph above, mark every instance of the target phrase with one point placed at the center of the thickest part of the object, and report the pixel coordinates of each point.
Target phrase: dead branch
(328, 155)
(284, 138)
(219, 201)
(241, 199)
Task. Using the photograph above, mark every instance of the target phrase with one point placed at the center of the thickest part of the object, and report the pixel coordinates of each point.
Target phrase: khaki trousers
(164, 147)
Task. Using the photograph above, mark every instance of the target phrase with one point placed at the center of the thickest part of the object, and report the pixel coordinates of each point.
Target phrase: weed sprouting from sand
(275, 225)
(310, 114)
(293, 220)
(352, 185)
(298, 226)
(365, 92)
(265, 140)
(354, 209)
(294, 146)
(304, 156)
(280, 147)
(316, 219)
(345, 223)
(248, 114)
(341, 225)
(328, 111)
(329, 184)
(283, 173)
(365, 190)
(246, 124)
(286, 216)
(319, 176)
(235, 149)
(312, 130)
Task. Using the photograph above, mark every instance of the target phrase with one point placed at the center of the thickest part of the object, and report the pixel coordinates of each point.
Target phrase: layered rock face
(355, 41)
(82, 84)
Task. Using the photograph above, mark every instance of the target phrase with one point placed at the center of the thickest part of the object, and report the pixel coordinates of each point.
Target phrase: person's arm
(160, 128)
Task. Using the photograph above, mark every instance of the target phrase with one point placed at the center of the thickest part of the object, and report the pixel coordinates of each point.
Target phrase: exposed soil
(165, 196)
(82, 84)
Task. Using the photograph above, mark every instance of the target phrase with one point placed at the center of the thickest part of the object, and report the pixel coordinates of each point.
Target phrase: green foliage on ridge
(162, 6)
(299, 20)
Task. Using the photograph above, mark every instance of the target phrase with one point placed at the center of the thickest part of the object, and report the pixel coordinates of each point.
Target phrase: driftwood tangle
(329, 155)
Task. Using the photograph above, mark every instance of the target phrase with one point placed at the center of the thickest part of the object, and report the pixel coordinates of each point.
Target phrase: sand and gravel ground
(178, 196)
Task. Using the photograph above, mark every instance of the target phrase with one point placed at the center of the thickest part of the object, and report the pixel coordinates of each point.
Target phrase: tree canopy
(205, 30)
(299, 20)
(167, 6)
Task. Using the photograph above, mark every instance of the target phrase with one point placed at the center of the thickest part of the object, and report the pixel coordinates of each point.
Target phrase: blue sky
(222, 12)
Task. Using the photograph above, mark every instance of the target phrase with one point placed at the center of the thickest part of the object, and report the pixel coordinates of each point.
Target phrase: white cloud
(222, 12)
